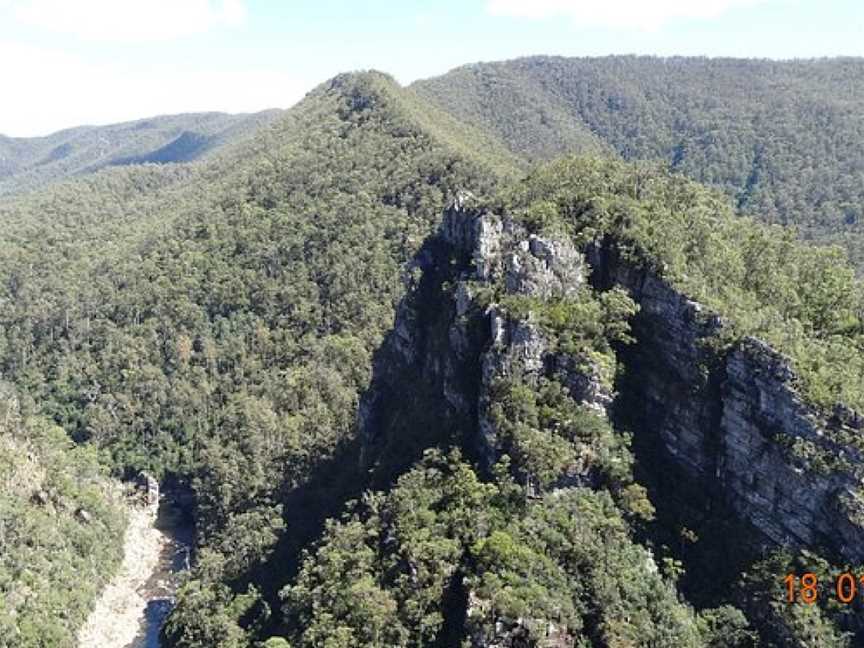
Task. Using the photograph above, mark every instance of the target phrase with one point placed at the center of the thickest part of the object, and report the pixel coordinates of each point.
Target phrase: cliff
(784, 492)
(734, 422)
(450, 343)
(729, 420)
(435, 377)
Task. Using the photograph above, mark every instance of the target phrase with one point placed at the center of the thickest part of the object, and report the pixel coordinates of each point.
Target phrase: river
(131, 610)
(174, 559)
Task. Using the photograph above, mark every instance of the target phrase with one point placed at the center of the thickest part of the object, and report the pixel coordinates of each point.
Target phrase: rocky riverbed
(132, 608)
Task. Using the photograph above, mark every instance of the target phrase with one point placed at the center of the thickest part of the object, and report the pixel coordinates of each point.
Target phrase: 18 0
(805, 588)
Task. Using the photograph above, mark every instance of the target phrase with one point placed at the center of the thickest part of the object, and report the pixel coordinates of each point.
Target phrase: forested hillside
(217, 323)
(61, 528)
(412, 382)
(30, 163)
(541, 548)
(159, 265)
(781, 139)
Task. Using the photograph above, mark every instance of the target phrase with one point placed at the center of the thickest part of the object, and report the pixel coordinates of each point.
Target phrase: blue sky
(71, 62)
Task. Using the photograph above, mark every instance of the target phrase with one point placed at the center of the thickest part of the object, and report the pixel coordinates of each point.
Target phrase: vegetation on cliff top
(803, 300)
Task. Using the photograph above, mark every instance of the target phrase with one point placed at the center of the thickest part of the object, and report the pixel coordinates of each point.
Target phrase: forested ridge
(781, 138)
(34, 162)
(218, 322)
(180, 317)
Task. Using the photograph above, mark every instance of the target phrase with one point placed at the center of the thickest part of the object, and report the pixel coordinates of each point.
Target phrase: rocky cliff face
(503, 253)
(731, 422)
(791, 497)
(734, 422)
(424, 386)
(450, 345)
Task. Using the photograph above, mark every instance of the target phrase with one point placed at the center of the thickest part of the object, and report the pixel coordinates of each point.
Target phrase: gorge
(132, 609)
(425, 389)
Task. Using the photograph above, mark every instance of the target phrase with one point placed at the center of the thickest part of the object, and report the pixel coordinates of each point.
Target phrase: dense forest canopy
(782, 139)
(261, 252)
(217, 323)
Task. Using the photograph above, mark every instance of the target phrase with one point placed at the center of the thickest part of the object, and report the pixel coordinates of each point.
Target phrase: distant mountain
(28, 163)
(784, 140)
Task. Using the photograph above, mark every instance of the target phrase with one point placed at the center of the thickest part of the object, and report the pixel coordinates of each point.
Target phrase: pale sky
(65, 63)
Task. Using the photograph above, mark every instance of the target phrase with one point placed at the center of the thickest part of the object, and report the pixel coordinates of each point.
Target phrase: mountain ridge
(780, 138)
(389, 358)
(30, 163)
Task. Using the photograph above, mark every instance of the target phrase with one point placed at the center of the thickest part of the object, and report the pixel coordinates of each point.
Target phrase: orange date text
(806, 588)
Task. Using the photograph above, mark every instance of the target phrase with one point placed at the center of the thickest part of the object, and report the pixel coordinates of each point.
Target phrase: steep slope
(452, 556)
(781, 139)
(30, 163)
(740, 383)
(216, 323)
(61, 522)
(513, 345)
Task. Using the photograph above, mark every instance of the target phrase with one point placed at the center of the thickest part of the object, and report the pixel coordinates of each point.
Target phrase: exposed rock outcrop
(449, 346)
(502, 251)
(731, 421)
(429, 362)
(788, 496)
(148, 489)
(513, 633)
(735, 423)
